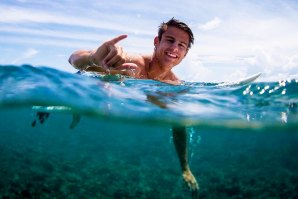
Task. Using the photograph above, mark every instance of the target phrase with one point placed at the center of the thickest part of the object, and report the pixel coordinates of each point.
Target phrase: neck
(156, 70)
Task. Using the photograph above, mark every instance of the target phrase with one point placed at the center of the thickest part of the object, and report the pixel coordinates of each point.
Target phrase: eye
(182, 46)
(170, 40)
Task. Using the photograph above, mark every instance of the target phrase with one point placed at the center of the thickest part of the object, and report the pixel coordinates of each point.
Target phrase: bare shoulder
(140, 60)
(172, 76)
(147, 58)
(172, 79)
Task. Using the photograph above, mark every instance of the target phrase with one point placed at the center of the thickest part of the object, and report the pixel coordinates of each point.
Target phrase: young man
(170, 47)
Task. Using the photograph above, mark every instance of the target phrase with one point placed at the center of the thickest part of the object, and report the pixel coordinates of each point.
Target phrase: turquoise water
(114, 138)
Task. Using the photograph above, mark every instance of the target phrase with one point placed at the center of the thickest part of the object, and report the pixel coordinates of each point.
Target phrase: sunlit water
(111, 137)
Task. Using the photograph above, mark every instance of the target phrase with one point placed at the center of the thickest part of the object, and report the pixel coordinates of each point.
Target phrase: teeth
(172, 55)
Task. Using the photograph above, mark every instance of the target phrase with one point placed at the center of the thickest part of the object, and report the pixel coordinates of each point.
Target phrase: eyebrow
(171, 37)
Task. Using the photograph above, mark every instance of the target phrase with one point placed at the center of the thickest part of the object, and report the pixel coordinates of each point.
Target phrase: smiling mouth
(172, 55)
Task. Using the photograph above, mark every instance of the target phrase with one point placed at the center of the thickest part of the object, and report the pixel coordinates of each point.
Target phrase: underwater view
(85, 135)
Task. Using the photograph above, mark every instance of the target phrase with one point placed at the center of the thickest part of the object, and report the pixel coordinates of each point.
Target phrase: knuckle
(121, 62)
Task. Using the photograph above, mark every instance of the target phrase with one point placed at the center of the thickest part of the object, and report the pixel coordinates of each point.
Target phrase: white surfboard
(241, 82)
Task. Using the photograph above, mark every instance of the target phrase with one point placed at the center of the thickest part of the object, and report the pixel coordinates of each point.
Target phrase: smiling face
(172, 47)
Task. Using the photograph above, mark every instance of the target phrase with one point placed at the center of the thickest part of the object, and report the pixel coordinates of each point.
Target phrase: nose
(175, 46)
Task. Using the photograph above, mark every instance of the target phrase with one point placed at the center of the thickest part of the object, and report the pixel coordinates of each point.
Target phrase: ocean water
(68, 135)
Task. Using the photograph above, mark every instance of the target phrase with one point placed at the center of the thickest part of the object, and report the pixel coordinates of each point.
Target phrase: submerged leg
(180, 142)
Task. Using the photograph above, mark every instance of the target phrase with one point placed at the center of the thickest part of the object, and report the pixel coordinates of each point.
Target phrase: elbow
(72, 61)
(76, 61)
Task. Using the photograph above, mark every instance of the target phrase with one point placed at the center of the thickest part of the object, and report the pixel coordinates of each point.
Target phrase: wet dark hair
(177, 24)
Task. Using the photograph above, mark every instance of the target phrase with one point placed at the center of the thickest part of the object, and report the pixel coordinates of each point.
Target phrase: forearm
(80, 59)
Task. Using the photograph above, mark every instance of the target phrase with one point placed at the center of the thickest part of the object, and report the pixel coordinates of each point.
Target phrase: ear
(156, 41)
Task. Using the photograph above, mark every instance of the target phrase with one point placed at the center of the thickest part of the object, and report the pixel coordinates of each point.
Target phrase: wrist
(128, 58)
(91, 59)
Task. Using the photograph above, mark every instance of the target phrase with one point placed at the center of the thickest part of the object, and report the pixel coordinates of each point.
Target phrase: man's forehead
(176, 33)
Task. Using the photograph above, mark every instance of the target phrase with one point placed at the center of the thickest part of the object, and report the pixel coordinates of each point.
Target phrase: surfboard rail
(241, 82)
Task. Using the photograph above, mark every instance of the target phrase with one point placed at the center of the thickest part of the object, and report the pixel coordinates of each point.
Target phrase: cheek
(159, 50)
(184, 55)
(181, 57)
